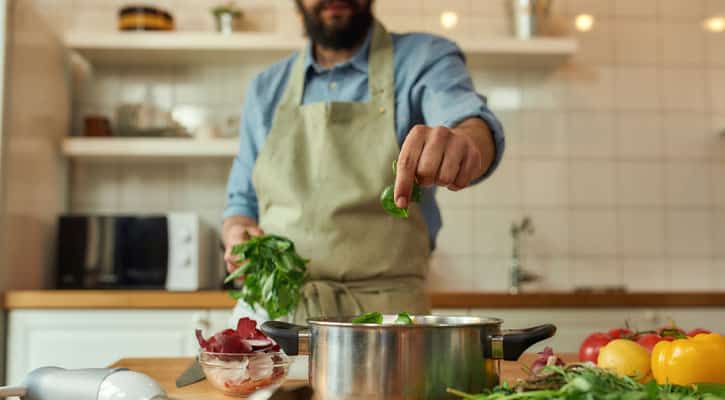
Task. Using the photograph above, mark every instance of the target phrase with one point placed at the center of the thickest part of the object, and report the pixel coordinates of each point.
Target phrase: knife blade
(191, 375)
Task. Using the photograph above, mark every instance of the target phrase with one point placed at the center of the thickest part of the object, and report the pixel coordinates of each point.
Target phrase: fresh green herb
(586, 381)
(273, 274)
(403, 319)
(369, 318)
(387, 198)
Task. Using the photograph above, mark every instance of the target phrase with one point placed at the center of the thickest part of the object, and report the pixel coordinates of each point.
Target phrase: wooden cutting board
(166, 370)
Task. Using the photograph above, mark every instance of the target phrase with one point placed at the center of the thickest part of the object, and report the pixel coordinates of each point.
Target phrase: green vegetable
(403, 319)
(586, 381)
(273, 274)
(387, 198)
(369, 318)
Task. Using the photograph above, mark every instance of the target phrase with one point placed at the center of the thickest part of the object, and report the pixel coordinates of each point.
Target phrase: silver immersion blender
(53, 383)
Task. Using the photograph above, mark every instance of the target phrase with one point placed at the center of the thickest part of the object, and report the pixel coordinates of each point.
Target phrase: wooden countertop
(140, 299)
(166, 370)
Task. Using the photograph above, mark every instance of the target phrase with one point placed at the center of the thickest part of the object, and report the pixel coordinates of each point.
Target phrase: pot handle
(293, 339)
(512, 343)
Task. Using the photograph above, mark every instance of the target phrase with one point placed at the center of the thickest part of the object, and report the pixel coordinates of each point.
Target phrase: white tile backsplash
(688, 184)
(639, 135)
(590, 134)
(545, 182)
(682, 44)
(692, 274)
(593, 232)
(679, 92)
(636, 88)
(616, 154)
(543, 133)
(640, 183)
(689, 233)
(592, 183)
(635, 41)
(686, 136)
(691, 10)
(641, 232)
(646, 274)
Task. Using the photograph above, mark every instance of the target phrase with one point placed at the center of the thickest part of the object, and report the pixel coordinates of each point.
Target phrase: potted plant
(227, 17)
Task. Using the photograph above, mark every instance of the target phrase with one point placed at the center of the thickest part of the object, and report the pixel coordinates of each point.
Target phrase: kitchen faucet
(517, 274)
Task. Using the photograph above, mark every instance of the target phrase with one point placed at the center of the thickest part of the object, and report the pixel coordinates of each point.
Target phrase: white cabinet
(96, 338)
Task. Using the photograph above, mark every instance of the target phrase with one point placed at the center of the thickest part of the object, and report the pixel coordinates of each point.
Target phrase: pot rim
(419, 321)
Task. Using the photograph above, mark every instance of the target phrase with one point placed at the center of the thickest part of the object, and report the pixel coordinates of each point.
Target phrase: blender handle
(512, 343)
(293, 339)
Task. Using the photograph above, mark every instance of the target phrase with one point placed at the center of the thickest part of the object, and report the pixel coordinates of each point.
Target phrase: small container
(144, 18)
(227, 18)
(241, 375)
(528, 17)
(96, 126)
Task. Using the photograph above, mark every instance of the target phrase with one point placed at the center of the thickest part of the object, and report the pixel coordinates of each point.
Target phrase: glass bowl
(242, 375)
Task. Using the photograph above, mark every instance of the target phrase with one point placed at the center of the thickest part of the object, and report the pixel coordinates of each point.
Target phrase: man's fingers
(469, 166)
(451, 164)
(430, 158)
(407, 165)
(255, 231)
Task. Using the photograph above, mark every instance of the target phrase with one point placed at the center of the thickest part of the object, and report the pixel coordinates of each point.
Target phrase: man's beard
(333, 37)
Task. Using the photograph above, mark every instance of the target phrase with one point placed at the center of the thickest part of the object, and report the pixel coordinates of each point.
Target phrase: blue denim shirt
(432, 87)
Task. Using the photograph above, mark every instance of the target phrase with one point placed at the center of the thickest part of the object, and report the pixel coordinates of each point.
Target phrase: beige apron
(318, 180)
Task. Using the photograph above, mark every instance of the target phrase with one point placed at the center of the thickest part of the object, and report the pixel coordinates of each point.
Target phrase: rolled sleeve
(241, 196)
(447, 96)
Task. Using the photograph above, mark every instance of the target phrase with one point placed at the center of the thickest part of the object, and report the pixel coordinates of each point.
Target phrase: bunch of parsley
(273, 274)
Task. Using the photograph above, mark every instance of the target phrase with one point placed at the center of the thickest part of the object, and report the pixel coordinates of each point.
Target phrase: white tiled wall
(617, 156)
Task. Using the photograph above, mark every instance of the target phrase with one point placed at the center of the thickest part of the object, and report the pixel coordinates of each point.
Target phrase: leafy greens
(387, 198)
(587, 382)
(273, 274)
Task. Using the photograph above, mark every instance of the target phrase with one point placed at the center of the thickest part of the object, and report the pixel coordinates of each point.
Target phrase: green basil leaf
(369, 318)
(403, 319)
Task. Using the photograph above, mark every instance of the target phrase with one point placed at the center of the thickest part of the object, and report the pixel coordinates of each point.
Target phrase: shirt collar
(359, 60)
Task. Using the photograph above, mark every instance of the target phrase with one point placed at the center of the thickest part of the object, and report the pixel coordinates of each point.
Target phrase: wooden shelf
(207, 47)
(148, 148)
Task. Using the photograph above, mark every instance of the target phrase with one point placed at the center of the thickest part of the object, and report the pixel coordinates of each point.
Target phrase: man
(320, 131)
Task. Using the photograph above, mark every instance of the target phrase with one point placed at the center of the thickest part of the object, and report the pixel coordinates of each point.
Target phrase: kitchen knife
(192, 374)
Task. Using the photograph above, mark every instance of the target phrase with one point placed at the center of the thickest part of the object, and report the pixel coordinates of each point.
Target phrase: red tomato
(697, 331)
(589, 350)
(619, 333)
(649, 340)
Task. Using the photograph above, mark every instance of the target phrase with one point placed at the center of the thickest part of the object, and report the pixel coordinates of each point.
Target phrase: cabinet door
(97, 338)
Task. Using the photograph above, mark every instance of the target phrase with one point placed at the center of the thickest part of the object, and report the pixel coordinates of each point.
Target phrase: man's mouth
(337, 7)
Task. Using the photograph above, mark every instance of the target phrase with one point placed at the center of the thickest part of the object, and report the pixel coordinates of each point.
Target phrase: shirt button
(333, 85)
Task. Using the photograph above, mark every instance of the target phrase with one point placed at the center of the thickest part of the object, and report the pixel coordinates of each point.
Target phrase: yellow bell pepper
(700, 359)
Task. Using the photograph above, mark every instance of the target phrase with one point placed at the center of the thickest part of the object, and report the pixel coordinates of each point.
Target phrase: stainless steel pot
(419, 361)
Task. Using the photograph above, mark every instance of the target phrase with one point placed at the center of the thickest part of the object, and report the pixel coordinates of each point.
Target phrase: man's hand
(442, 156)
(237, 230)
